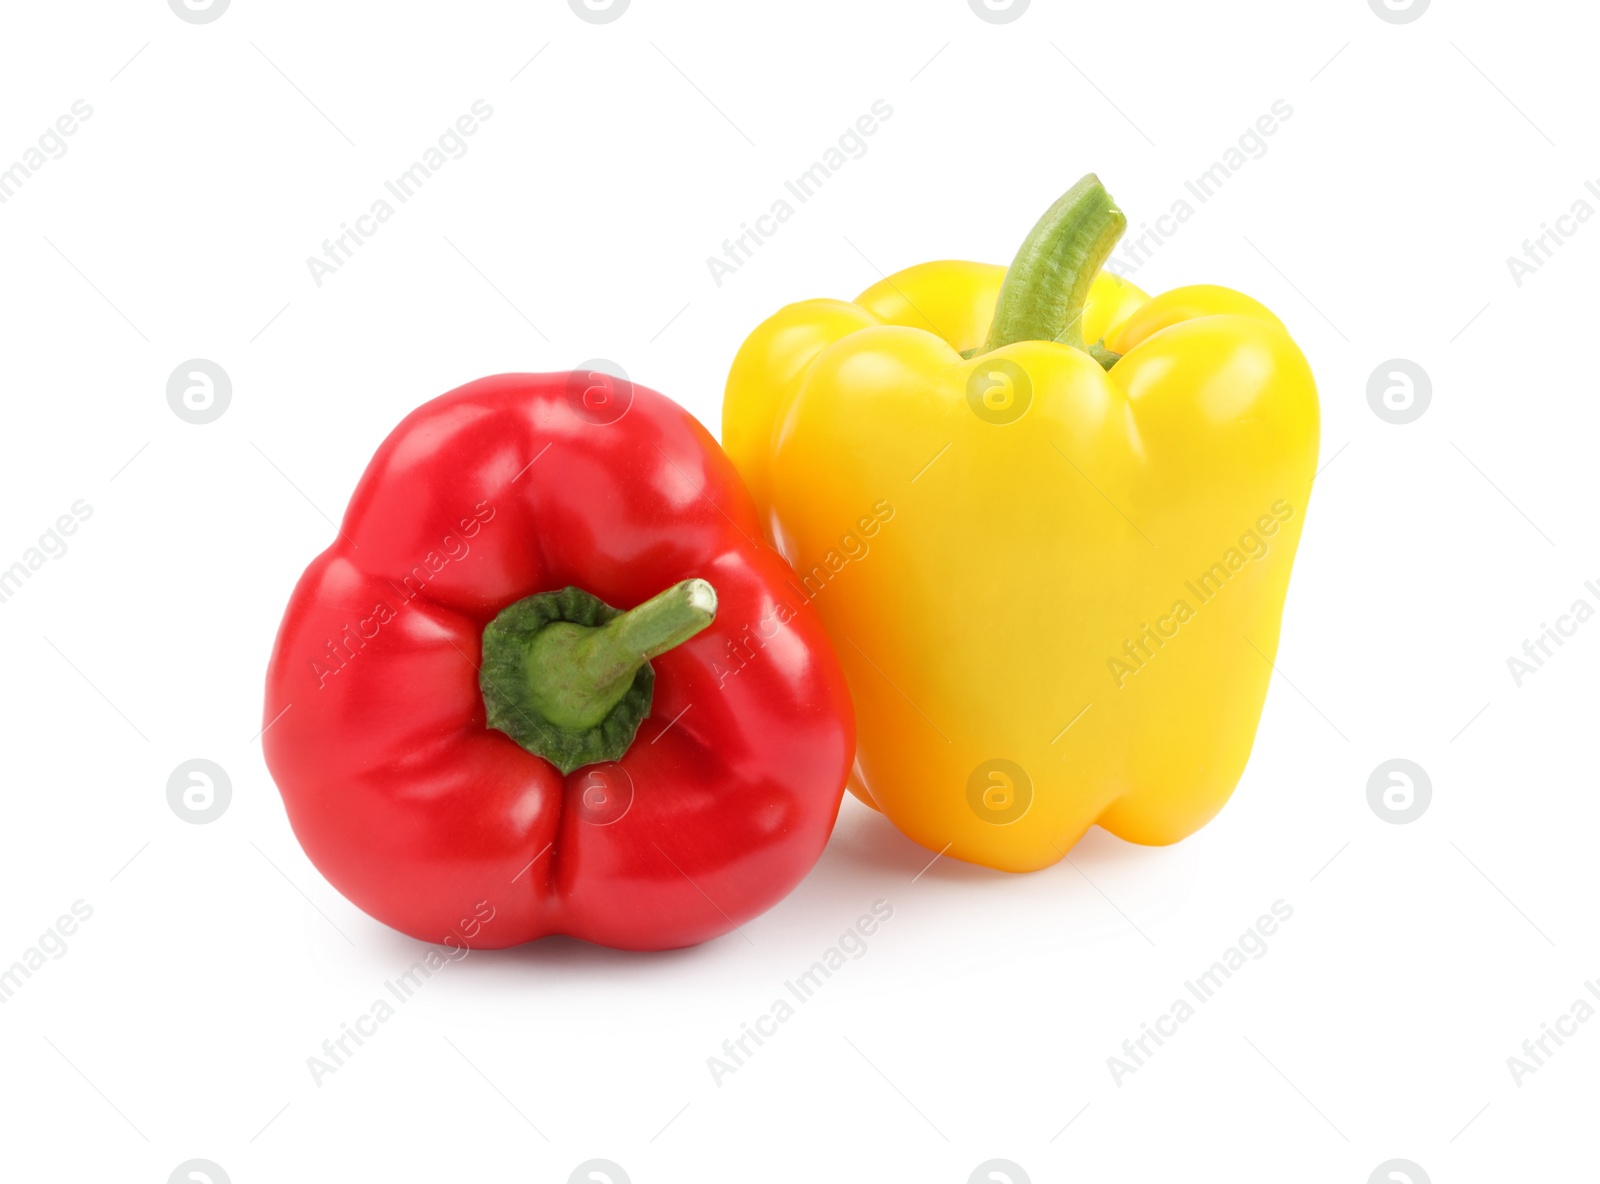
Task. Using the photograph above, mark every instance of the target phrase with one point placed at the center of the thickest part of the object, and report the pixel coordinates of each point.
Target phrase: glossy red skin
(427, 819)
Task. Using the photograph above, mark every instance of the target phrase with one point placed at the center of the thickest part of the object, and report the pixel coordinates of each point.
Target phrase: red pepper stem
(1047, 284)
(578, 673)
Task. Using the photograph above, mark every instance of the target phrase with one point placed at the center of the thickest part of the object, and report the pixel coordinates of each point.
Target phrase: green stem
(568, 677)
(576, 673)
(1048, 282)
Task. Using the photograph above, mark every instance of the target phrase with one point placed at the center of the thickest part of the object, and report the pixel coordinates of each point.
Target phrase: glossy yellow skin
(984, 614)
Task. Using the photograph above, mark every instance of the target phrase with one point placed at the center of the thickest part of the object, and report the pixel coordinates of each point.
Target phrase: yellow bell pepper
(1048, 521)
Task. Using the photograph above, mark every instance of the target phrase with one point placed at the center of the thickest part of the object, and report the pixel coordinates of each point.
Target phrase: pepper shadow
(866, 859)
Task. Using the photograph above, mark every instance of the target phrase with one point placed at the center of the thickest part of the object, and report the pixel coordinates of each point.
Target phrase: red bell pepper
(461, 640)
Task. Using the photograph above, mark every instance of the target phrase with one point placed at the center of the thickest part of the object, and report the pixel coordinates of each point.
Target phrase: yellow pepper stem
(1048, 282)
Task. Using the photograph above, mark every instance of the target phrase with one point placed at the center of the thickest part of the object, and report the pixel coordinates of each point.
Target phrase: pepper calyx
(568, 677)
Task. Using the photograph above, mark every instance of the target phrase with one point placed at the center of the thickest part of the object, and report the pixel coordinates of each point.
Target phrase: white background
(219, 156)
